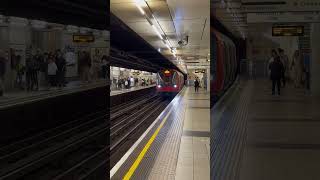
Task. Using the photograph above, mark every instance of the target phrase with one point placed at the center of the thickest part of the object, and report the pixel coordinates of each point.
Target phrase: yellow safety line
(145, 149)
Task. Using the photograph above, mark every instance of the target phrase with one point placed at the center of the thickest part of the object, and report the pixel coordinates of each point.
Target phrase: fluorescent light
(156, 30)
(174, 51)
(167, 40)
(158, 23)
(138, 4)
(168, 46)
(159, 50)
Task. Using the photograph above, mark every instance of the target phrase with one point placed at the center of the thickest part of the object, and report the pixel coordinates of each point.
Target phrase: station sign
(83, 38)
(278, 6)
(284, 17)
(200, 71)
(136, 73)
(287, 30)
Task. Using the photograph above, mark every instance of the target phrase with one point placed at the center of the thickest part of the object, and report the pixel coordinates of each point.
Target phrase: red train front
(169, 81)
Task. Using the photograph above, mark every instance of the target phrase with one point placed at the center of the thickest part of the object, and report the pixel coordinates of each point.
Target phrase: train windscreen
(166, 77)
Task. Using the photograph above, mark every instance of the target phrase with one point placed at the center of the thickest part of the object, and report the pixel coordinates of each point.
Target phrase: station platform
(175, 146)
(122, 91)
(260, 136)
(22, 97)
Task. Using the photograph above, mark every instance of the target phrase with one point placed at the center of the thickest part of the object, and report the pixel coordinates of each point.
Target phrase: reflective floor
(176, 146)
(267, 137)
(193, 161)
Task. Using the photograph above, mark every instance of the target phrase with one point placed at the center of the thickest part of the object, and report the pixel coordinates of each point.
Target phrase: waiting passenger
(52, 72)
(104, 67)
(96, 65)
(3, 62)
(196, 85)
(276, 71)
(31, 78)
(297, 67)
(61, 64)
(273, 55)
(285, 61)
(84, 64)
(20, 71)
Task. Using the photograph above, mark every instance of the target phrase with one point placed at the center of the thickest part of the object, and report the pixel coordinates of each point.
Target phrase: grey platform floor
(267, 137)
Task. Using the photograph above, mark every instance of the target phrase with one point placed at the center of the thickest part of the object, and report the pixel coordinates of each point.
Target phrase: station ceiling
(238, 15)
(92, 14)
(132, 51)
(174, 20)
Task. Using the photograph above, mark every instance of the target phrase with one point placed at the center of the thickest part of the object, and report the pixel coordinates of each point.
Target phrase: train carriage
(223, 64)
(169, 81)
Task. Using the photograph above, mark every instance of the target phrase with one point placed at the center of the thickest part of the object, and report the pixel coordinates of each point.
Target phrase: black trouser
(61, 78)
(308, 80)
(52, 80)
(32, 79)
(276, 82)
(196, 88)
(284, 78)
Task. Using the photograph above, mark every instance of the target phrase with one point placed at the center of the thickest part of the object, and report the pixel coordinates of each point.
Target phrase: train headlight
(159, 86)
(175, 86)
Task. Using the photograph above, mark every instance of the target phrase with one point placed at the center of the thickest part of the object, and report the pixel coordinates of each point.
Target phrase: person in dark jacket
(3, 62)
(196, 85)
(276, 72)
(61, 64)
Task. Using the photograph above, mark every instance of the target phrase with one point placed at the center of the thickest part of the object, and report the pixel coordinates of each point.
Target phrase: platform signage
(200, 71)
(83, 38)
(284, 17)
(287, 30)
(280, 6)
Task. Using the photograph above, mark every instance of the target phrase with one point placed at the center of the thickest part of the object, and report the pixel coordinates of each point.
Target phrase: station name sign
(83, 38)
(287, 30)
(200, 71)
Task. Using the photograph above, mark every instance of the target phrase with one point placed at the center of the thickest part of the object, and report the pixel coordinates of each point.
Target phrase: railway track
(78, 149)
(65, 152)
(129, 122)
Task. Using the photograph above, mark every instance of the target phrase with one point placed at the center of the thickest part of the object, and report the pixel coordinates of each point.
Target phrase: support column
(315, 59)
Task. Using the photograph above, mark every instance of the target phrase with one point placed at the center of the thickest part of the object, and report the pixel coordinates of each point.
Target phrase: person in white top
(52, 72)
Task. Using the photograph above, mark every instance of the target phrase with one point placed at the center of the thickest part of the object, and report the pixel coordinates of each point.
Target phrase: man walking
(276, 72)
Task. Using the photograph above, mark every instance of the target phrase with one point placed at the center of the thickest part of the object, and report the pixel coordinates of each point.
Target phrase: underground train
(169, 81)
(224, 64)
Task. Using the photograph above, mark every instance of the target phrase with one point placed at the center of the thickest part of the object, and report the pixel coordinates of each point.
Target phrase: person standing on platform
(285, 61)
(297, 67)
(61, 64)
(306, 69)
(276, 71)
(3, 62)
(85, 65)
(20, 71)
(52, 72)
(196, 85)
(96, 65)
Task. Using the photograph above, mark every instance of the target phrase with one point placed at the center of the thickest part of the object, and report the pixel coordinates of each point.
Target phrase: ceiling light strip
(138, 4)
(157, 32)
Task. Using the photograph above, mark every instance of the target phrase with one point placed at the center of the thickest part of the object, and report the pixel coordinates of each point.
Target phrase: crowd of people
(128, 82)
(50, 68)
(280, 68)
